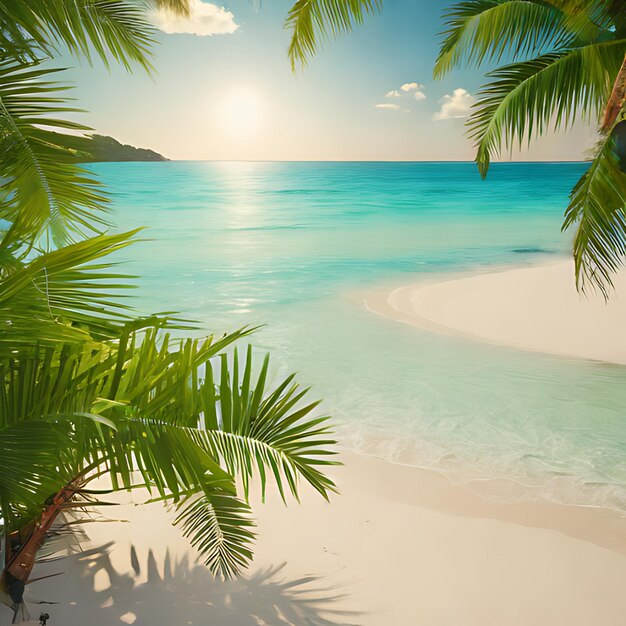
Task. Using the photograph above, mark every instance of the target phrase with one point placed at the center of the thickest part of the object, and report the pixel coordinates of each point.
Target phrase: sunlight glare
(241, 113)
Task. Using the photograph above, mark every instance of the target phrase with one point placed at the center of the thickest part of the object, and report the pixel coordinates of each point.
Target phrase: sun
(241, 113)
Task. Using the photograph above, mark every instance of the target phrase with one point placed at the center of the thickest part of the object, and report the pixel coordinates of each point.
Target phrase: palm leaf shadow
(180, 591)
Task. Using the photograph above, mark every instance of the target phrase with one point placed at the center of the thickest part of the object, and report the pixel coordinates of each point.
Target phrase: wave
(529, 476)
(533, 250)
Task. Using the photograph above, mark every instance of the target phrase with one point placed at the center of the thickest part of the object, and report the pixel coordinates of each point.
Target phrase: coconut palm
(565, 59)
(180, 419)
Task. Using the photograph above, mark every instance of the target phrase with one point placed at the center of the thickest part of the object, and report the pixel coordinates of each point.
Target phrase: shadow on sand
(182, 593)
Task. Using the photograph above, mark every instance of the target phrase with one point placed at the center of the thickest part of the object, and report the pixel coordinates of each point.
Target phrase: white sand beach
(399, 546)
(531, 308)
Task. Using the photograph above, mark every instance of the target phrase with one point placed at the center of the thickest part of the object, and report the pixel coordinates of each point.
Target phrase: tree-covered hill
(96, 148)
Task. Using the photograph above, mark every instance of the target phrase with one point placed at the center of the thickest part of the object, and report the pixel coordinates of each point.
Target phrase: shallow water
(293, 245)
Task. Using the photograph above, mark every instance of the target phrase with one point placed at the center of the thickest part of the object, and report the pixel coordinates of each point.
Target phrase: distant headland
(98, 148)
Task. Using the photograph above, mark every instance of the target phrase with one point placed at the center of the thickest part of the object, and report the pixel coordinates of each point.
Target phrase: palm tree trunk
(21, 561)
(616, 101)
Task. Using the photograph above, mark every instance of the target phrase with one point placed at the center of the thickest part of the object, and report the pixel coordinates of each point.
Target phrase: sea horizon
(495, 162)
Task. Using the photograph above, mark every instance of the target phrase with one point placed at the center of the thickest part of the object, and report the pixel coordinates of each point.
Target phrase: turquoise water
(295, 245)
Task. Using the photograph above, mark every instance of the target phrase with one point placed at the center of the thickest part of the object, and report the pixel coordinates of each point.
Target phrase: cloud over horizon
(455, 106)
(408, 88)
(411, 86)
(204, 19)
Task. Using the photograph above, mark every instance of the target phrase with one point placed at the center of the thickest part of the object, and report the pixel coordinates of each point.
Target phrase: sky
(224, 90)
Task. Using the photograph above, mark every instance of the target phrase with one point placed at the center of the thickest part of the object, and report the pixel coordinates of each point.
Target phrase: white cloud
(411, 86)
(456, 105)
(409, 89)
(204, 19)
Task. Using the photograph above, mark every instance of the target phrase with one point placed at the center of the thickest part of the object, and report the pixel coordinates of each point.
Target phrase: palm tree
(181, 419)
(565, 59)
(87, 390)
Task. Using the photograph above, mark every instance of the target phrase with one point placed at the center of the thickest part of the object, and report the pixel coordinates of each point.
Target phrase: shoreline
(525, 308)
(463, 498)
(399, 546)
(532, 308)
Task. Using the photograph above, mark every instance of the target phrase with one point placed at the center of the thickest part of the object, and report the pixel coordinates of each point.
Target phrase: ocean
(294, 246)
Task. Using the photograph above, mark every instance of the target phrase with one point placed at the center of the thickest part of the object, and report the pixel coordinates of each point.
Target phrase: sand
(399, 546)
(531, 308)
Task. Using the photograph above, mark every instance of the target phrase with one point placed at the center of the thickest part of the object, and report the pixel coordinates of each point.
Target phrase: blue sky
(233, 95)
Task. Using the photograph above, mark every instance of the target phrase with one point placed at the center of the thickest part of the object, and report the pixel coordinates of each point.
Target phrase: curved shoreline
(534, 308)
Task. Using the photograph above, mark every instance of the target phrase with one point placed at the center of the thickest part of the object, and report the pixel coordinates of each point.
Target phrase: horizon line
(555, 161)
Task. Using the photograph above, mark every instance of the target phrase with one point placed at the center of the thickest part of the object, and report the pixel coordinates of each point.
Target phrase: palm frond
(550, 90)
(68, 294)
(144, 408)
(30, 469)
(220, 527)
(95, 397)
(43, 187)
(312, 21)
(485, 30)
(597, 209)
(262, 431)
(116, 29)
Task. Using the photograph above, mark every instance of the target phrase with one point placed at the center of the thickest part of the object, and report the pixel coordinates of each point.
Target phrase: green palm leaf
(262, 431)
(485, 30)
(313, 20)
(115, 29)
(553, 89)
(581, 45)
(50, 438)
(44, 190)
(220, 527)
(597, 209)
(68, 294)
